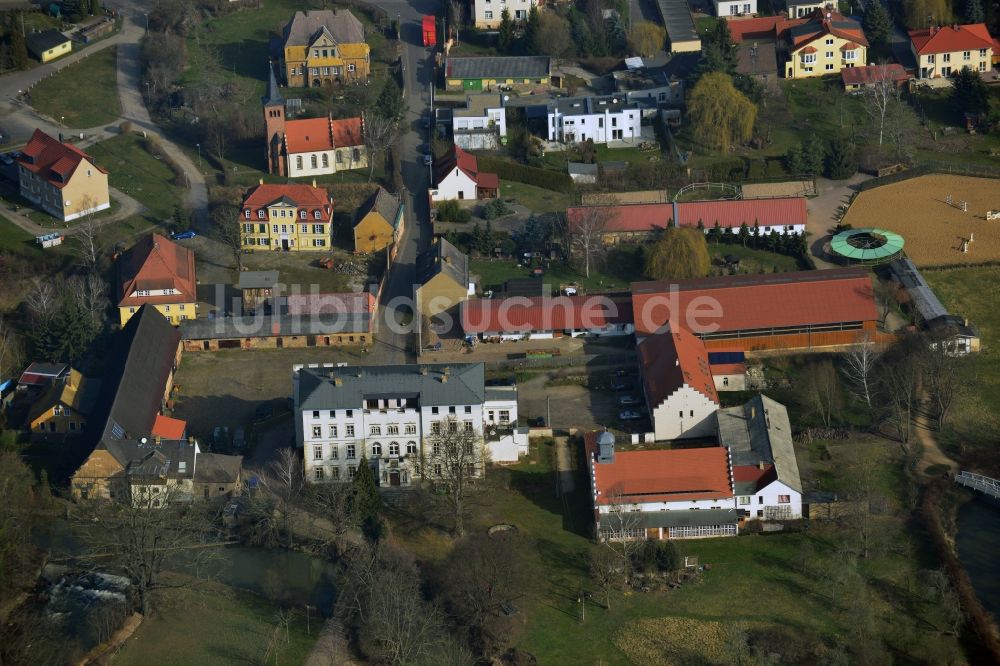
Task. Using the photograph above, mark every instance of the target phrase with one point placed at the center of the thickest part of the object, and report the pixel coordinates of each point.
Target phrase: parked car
(428, 159)
(263, 412)
(626, 400)
(537, 422)
(183, 235)
(628, 415)
(621, 386)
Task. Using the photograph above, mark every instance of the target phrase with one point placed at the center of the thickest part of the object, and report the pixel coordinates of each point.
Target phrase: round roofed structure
(867, 246)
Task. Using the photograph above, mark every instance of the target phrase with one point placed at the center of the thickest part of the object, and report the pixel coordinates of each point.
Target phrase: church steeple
(273, 96)
(274, 123)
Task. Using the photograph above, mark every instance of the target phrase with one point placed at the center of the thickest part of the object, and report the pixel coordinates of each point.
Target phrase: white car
(628, 415)
(627, 400)
(428, 159)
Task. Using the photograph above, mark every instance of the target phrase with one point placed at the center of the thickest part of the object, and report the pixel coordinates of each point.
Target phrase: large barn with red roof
(542, 317)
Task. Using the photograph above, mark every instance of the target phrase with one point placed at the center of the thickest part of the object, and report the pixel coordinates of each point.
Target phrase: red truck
(430, 31)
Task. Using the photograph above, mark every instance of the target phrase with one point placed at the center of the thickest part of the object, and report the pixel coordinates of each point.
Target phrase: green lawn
(15, 239)
(970, 435)
(212, 623)
(537, 199)
(134, 171)
(754, 261)
(619, 270)
(83, 95)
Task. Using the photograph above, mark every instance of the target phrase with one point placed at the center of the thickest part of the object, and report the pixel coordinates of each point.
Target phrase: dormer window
(303, 214)
(318, 215)
(246, 213)
(261, 215)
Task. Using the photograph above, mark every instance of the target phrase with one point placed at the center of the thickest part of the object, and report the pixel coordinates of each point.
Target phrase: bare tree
(227, 227)
(379, 134)
(880, 97)
(607, 571)
(41, 298)
(136, 534)
(621, 530)
(859, 368)
(332, 506)
(10, 348)
(941, 381)
(91, 292)
(586, 234)
(823, 391)
(283, 479)
(898, 377)
(87, 240)
(452, 457)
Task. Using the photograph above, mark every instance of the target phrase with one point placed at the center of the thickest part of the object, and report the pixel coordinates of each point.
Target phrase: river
(978, 544)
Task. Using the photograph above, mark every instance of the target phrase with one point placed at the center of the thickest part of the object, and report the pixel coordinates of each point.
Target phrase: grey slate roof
(40, 42)
(581, 169)
(464, 385)
(923, 297)
(257, 280)
(273, 96)
(579, 106)
(690, 518)
(517, 67)
(150, 461)
(217, 468)
(249, 326)
(342, 25)
(383, 203)
(443, 257)
(759, 432)
(132, 387)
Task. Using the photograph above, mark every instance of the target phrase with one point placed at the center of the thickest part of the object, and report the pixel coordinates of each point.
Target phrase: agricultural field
(934, 230)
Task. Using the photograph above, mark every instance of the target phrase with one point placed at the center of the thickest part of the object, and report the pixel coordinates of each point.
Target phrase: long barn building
(785, 311)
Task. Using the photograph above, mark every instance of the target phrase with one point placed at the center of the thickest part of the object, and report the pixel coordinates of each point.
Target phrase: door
(284, 244)
(394, 478)
(280, 342)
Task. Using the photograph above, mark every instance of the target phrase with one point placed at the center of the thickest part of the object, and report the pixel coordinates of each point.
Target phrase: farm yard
(934, 231)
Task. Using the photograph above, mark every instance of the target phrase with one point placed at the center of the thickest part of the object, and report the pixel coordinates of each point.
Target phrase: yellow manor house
(293, 217)
(325, 47)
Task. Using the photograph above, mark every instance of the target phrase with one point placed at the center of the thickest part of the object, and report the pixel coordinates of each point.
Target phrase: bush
(450, 211)
(125, 127)
(495, 208)
(550, 180)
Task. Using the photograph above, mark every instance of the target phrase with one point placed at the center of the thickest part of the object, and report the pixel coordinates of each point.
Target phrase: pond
(978, 542)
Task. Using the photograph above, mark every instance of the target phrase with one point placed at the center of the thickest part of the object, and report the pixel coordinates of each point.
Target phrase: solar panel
(117, 431)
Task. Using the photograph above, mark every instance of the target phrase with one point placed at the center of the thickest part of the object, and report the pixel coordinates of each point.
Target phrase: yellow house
(292, 217)
(63, 409)
(325, 47)
(378, 222)
(48, 45)
(62, 179)
(443, 277)
(158, 272)
(825, 44)
(948, 50)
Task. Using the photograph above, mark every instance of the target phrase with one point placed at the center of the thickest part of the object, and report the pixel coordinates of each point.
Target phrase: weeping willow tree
(681, 253)
(720, 114)
(924, 13)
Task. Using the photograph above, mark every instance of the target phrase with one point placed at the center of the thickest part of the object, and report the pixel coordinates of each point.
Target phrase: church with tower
(309, 146)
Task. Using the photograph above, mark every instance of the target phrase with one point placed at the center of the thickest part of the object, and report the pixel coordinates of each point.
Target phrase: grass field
(83, 95)
(932, 229)
(536, 199)
(213, 623)
(135, 172)
(970, 433)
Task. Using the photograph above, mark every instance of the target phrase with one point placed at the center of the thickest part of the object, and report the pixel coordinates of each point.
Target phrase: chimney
(447, 260)
(314, 182)
(966, 320)
(157, 439)
(261, 181)
(444, 379)
(760, 465)
(677, 362)
(753, 413)
(423, 369)
(191, 440)
(338, 381)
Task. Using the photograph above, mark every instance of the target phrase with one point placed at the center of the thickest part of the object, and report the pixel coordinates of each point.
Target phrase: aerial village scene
(499, 332)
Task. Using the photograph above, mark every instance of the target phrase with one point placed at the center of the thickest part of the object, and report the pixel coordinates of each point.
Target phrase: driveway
(823, 210)
(127, 207)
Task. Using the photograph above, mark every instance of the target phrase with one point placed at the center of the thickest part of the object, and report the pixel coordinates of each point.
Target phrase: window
(313, 162)
(315, 414)
(333, 431)
(333, 413)
(829, 54)
(470, 468)
(744, 500)
(351, 471)
(317, 432)
(248, 228)
(349, 430)
(808, 57)
(274, 228)
(303, 215)
(468, 426)
(967, 55)
(410, 429)
(356, 154)
(411, 447)
(350, 67)
(930, 59)
(982, 53)
(392, 429)
(436, 449)
(350, 413)
(452, 426)
(351, 451)
(784, 499)
(504, 416)
(828, 67)
(945, 57)
(451, 409)
(319, 242)
(334, 472)
(393, 448)
(829, 41)
(376, 449)
(326, 71)
(491, 413)
(318, 452)
(437, 469)
(468, 448)
(434, 410)
(489, 15)
(436, 428)
(468, 409)
(338, 157)
(318, 473)
(317, 228)
(326, 161)
(262, 228)
(298, 162)
(246, 213)
(691, 413)
(317, 215)
(375, 430)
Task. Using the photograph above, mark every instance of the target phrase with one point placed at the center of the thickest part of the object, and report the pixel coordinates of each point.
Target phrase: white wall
(721, 503)
(487, 12)
(346, 156)
(685, 413)
(452, 184)
(725, 8)
(767, 498)
(497, 116)
(599, 127)
(766, 230)
(730, 382)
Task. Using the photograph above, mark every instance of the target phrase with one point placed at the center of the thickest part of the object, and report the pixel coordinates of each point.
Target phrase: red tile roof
(168, 428)
(308, 135)
(347, 132)
(758, 476)
(304, 197)
(819, 26)
(728, 368)
(467, 164)
(745, 302)
(521, 314)
(859, 76)
(951, 38)
(778, 211)
(764, 27)
(808, 49)
(156, 263)
(676, 475)
(51, 159)
(345, 303)
(671, 360)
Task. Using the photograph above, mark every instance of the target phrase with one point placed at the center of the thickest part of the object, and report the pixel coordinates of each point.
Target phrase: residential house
(659, 493)
(806, 310)
(293, 320)
(63, 180)
(759, 59)
(682, 34)
(310, 146)
(64, 408)
(521, 317)
(758, 436)
(442, 280)
(482, 124)
(457, 176)
(135, 389)
(256, 290)
(650, 87)
(487, 13)
(601, 119)
(158, 272)
(825, 44)
(943, 51)
(859, 78)
(634, 222)
(677, 384)
(388, 415)
(476, 74)
(797, 9)
(324, 47)
(37, 377)
(728, 8)
(379, 222)
(47, 45)
(291, 217)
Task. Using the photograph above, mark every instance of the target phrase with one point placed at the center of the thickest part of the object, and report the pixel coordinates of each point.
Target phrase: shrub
(125, 127)
(550, 180)
(495, 208)
(450, 211)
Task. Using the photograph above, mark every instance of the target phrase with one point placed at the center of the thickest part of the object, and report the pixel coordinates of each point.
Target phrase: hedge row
(507, 170)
